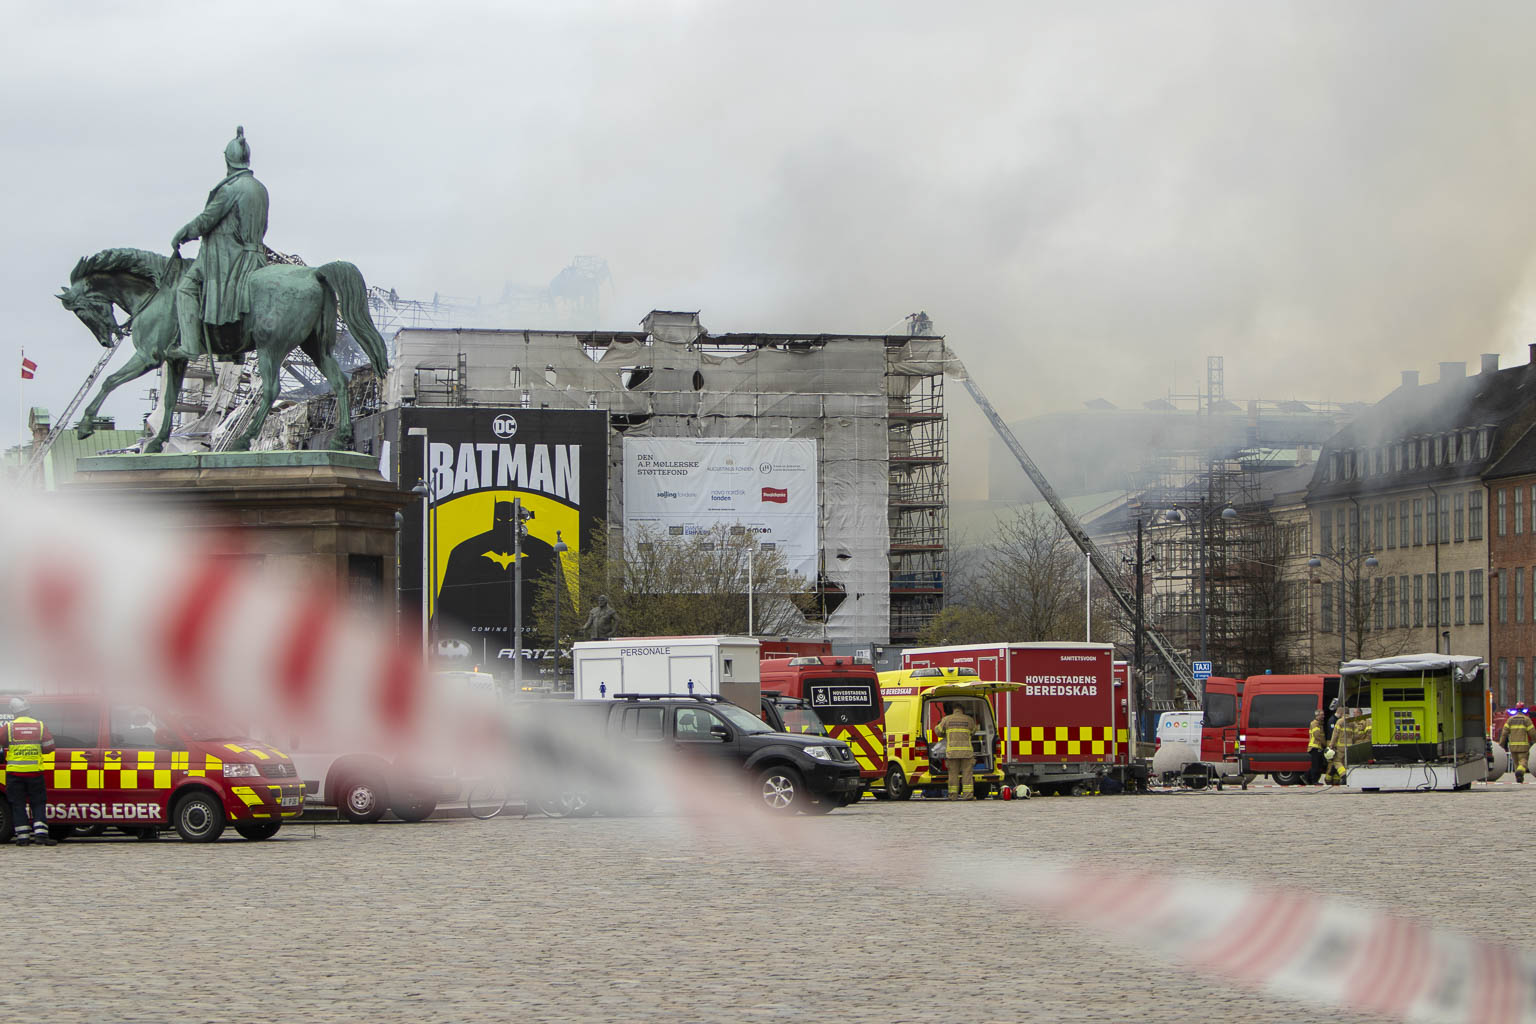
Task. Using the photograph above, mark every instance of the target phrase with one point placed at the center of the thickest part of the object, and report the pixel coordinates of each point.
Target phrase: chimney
(1490, 362)
(1411, 377)
(1533, 353)
(1452, 371)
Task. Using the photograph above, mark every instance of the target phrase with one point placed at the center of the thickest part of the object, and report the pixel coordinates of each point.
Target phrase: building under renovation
(872, 403)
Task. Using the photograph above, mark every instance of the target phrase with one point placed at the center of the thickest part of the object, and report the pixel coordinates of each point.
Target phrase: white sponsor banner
(683, 485)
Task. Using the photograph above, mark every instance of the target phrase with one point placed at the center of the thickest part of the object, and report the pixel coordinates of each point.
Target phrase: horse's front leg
(269, 365)
(137, 366)
(175, 370)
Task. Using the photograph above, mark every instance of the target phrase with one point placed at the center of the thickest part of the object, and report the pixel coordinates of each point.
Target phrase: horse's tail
(347, 282)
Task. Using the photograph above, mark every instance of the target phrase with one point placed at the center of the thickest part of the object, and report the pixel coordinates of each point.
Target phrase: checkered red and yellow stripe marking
(1062, 741)
(133, 769)
(868, 744)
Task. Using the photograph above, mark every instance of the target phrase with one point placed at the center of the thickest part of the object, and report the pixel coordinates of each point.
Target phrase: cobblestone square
(666, 919)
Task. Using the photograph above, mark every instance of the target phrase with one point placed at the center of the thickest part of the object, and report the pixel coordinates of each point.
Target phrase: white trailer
(724, 666)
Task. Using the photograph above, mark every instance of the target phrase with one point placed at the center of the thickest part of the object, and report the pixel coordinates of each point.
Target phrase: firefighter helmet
(19, 705)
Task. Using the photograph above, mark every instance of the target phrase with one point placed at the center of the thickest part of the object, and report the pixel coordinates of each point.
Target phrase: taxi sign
(1202, 670)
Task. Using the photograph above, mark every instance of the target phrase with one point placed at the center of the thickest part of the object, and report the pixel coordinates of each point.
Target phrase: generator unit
(1428, 727)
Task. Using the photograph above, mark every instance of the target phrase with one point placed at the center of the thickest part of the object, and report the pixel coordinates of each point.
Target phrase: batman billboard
(478, 461)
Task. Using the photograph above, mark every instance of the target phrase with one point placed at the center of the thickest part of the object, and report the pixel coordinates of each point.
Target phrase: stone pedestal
(329, 513)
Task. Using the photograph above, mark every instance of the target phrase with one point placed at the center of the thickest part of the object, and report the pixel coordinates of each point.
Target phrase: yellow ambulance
(914, 703)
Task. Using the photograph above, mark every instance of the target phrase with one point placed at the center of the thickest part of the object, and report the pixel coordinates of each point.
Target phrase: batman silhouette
(477, 584)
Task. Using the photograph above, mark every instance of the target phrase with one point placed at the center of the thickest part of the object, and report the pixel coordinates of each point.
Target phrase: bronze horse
(291, 307)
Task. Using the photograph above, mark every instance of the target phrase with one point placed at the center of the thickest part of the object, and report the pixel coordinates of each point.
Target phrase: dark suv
(788, 772)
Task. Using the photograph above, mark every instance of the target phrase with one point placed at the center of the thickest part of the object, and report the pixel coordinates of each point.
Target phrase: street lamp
(560, 550)
(424, 488)
(1344, 561)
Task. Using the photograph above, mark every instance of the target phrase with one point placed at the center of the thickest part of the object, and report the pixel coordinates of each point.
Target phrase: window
(1431, 600)
(1533, 595)
(1282, 710)
(1500, 517)
(1327, 607)
(1325, 527)
(1220, 710)
(1432, 514)
(1533, 515)
(1381, 461)
(1504, 681)
(1520, 679)
(1402, 524)
(130, 727)
(1391, 602)
(1461, 520)
(1445, 518)
(1439, 454)
(1503, 597)
(1402, 602)
(1519, 510)
(1397, 457)
(1418, 600)
(1483, 439)
(1424, 452)
(1376, 604)
(1376, 527)
(1445, 599)
(1391, 527)
(692, 725)
(1519, 594)
(1418, 521)
(1354, 528)
(1338, 526)
(643, 723)
(1475, 586)
(1475, 514)
(1461, 599)
(74, 725)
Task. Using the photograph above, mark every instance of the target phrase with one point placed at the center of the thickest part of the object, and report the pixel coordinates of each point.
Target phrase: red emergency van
(1066, 729)
(1220, 725)
(1276, 713)
(847, 698)
(131, 766)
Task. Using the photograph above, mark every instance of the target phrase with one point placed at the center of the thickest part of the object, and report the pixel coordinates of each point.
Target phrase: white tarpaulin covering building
(872, 406)
(767, 486)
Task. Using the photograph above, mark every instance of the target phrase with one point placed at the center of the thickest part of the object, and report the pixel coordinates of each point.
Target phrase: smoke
(1087, 200)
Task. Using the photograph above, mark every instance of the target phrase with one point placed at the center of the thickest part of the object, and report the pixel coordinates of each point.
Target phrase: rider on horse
(215, 290)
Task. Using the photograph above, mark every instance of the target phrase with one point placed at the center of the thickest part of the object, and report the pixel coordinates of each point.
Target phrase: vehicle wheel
(58, 833)
(879, 794)
(566, 804)
(1288, 778)
(849, 799)
(415, 810)
(781, 789)
(88, 831)
(896, 787)
(361, 801)
(982, 790)
(258, 830)
(487, 798)
(1080, 789)
(199, 818)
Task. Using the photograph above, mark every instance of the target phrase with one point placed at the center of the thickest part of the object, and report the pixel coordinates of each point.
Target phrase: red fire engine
(847, 698)
(1066, 728)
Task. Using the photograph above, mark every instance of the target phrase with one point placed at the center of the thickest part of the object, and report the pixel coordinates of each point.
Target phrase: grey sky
(1088, 199)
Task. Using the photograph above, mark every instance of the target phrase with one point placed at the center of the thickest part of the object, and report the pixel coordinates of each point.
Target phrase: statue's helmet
(238, 153)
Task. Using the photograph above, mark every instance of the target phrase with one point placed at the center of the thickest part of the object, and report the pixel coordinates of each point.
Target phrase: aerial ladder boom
(62, 423)
(1101, 565)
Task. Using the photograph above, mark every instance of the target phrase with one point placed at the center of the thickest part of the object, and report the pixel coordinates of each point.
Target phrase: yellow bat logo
(499, 558)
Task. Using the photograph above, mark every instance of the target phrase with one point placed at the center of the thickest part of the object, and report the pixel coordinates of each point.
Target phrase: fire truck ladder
(62, 423)
(1101, 565)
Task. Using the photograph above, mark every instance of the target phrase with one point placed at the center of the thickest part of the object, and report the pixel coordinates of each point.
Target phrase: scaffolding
(918, 502)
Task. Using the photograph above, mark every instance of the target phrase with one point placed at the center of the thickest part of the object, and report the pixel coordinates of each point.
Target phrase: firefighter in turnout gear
(26, 741)
(956, 729)
(1337, 744)
(1515, 737)
(1315, 749)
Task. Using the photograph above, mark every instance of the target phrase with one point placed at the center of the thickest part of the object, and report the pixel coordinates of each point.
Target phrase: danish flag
(28, 368)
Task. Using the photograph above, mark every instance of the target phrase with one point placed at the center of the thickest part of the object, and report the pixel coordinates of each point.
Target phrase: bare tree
(670, 586)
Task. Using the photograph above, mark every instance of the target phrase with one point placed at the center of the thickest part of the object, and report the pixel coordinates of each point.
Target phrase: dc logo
(766, 467)
(504, 426)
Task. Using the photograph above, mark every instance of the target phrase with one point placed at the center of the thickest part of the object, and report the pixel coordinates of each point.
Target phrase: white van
(1178, 741)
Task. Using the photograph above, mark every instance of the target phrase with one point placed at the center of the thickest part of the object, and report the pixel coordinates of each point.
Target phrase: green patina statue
(228, 301)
